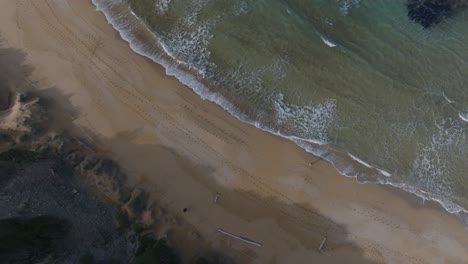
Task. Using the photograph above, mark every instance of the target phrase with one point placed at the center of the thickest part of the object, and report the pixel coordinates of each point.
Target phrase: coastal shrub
(86, 259)
(21, 155)
(121, 220)
(30, 240)
(155, 252)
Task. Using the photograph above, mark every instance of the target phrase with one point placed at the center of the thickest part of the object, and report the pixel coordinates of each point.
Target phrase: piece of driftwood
(246, 240)
(322, 246)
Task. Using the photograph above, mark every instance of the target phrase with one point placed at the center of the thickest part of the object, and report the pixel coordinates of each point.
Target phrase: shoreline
(204, 149)
(363, 172)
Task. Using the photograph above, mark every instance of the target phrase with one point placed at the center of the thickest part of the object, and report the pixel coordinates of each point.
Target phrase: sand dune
(186, 150)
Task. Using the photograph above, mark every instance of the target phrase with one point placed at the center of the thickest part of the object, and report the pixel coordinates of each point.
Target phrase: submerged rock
(430, 12)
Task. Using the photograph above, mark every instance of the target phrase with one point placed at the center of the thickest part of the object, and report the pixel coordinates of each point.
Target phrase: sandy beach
(187, 151)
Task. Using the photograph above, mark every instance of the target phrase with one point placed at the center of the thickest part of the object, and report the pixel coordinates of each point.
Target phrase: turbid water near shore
(186, 151)
(375, 87)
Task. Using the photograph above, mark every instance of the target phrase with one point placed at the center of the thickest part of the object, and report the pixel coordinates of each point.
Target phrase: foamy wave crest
(328, 42)
(276, 68)
(367, 165)
(316, 118)
(360, 161)
(188, 41)
(247, 81)
(463, 116)
(346, 168)
(431, 172)
(240, 8)
(126, 28)
(447, 204)
(311, 121)
(431, 167)
(161, 6)
(345, 5)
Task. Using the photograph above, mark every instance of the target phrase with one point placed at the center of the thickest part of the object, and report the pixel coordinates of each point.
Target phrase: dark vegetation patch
(30, 240)
(155, 251)
(22, 155)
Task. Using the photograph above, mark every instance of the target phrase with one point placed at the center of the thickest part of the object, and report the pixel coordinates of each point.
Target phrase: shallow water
(335, 76)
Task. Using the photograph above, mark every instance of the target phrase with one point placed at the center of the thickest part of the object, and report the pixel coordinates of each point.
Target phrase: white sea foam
(126, 32)
(463, 116)
(328, 42)
(161, 6)
(240, 8)
(245, 81)
(310, 121)
(188, 41)
(348, 170)
(360, 161)
(345, 5)
(448, 205)
(448, 99)
(311, 146)
(383, 172)
(431, 171)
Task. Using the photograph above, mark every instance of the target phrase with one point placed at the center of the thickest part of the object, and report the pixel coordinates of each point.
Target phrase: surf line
(463, 116)
(328, 42)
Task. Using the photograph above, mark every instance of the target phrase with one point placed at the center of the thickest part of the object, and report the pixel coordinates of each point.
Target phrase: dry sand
(185, 150)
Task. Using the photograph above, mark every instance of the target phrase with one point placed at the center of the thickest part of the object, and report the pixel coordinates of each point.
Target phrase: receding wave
(463, 116)
(328, 42)
(186, 57)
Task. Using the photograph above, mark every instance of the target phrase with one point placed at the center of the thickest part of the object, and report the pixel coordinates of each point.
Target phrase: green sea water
(356, 82)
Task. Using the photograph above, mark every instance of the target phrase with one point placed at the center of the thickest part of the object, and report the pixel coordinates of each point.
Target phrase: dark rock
(431, 12)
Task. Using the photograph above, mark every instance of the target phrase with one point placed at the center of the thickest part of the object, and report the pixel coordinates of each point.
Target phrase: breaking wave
(182, 52)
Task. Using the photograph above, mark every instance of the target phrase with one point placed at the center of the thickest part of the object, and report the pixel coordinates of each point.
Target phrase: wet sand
(186, 151)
